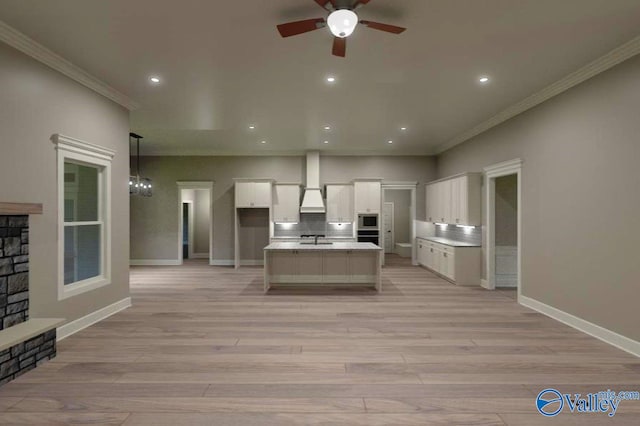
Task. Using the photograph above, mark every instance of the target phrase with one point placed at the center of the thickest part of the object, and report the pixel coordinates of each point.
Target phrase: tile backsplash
(467, 235)
(312, 224)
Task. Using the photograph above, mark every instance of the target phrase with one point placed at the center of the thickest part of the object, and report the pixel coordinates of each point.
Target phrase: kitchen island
(328, 264)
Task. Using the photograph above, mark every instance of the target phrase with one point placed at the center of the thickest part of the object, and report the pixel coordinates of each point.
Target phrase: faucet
(315, 237)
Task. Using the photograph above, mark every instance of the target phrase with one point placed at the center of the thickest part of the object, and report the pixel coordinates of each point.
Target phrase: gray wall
(580, 196)
(506, 210)
(38, 102)
(154, 221)
(201, 216)
(401, 199)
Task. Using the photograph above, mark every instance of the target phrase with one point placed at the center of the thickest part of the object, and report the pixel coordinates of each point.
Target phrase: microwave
(368, 221)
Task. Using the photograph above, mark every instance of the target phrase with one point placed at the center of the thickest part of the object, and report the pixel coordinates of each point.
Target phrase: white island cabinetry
(336, 263)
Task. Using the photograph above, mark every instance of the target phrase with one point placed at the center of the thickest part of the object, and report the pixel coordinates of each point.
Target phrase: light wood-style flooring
(204, 346)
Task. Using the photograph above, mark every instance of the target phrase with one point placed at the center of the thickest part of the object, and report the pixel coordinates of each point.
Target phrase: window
(84, 232)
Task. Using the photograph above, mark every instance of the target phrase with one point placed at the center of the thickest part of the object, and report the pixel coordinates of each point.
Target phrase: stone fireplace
(24, 342)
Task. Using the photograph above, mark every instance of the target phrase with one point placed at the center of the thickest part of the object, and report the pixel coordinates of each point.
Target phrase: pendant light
(139, 185)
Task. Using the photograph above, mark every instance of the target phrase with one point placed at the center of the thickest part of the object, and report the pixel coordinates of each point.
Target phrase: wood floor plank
(283, 419)
(63, 419)
(262, 404)
(7, 402)
(204, 345)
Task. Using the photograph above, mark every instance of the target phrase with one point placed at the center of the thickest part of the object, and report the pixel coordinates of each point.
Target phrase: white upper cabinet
(456, 200)
(286, 203)
(253, 194)
(339, 203)
(431, 203)
(367, 196)
(444, 202)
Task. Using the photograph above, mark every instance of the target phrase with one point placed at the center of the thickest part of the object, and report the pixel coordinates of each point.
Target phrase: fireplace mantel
(19, 209)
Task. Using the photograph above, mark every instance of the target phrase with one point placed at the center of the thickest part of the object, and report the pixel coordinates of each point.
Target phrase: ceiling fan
(342, 21)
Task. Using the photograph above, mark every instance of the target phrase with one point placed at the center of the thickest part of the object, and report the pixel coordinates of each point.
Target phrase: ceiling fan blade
(359, 3)
(329, 5)
(383, 27)
(340, 47)
(300, 27)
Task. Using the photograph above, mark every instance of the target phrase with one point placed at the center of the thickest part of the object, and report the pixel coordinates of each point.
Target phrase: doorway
(503, 187)
(187, 230)
(398, 219)
(387, 227)
(195, 231)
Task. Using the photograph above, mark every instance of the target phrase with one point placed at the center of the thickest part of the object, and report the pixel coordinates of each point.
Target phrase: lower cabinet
(460, 265)
(331, 266)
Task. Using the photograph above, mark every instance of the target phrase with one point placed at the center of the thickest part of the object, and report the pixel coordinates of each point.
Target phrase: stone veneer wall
(27, 355)
(14, 270)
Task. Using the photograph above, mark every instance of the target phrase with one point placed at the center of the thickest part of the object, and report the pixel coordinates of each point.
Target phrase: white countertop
(448, 242)
(322, 247)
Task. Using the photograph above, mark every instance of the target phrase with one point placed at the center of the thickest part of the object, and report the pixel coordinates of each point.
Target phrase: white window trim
(83, 152)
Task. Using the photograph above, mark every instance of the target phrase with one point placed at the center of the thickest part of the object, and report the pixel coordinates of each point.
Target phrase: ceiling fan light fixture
(342, 23)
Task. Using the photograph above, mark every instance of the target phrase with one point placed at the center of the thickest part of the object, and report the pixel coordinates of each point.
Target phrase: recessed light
(326, 142)
(263, 142)
(331, 79)
(252, 127)
(155, 80)
(390, 142)
(483, 80)
(404, 129)
(327, 128)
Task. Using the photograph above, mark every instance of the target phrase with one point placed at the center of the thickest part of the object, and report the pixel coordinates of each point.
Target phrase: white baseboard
(199, 255)
(154, 262)
(601, 333)
(484, 283)
(74, 326)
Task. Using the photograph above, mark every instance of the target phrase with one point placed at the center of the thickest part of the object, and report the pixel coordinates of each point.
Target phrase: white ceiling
(224, 66)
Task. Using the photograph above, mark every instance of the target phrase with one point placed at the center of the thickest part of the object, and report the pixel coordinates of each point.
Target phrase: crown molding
(608, 61)
(30, 47)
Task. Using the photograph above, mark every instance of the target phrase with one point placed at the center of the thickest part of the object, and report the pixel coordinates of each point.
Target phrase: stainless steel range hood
(312, 201)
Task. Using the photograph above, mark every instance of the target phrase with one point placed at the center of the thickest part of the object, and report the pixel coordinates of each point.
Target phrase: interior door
(387, 226)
